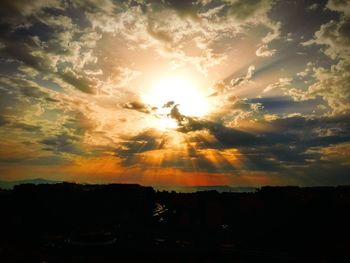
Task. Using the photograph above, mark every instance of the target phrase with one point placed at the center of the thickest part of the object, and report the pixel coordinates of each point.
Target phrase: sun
(183, 91)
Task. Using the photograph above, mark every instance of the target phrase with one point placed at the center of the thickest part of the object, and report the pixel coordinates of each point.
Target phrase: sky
(176, 93)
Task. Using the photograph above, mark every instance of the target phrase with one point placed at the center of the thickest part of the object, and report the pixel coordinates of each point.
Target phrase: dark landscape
(69, 222)
(174, 131)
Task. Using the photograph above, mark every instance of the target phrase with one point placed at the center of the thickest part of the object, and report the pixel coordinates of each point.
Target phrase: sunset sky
(176, 92)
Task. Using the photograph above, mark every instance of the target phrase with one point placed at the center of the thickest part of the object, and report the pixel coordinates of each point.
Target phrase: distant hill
(226, 188)
(218, 188)
(189, 189)
(11, 184)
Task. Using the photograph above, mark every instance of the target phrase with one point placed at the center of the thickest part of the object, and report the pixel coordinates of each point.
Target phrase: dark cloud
(22, 49)
(175, 114)
(288, 144)
(27, 127)
(132, 152)
(63, 143)
(227, 137)
(148, 140)
(169, 104)
(15, 11)
(285, 104)
(18, 90)
(77, 81)
(138, 106)
(80, 124)
(284, 147)
(305, 125)
(3, 120)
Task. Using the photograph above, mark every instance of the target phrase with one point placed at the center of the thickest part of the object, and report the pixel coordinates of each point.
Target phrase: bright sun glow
(183, 91)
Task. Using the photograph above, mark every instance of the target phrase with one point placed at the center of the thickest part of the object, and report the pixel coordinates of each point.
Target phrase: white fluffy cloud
(282, 82)
(335, 37)
(342, 6)
(264, 51)
(244, 79)
(333, 83)
(177, 31)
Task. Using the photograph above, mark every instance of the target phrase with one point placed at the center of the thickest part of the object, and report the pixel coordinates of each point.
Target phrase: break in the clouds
(176, 92)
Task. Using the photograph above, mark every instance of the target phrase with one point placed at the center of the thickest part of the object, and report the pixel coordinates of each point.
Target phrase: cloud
(264, 51)
(63, 143)
(341, 6)
(138, 106)
(25, 88)
(307, 71)
(169, 104)
(335, 36)
(15, 11)
(244, 79)
(145, 141)
(184, 8)
(151, 150)
(326, 132)
(24, 51)
(61, 52)
(175, 114)
(332, 83)
(27, 127)
(78, 81)
(227, 137)
(221, 87)
(235, 111)
(288, 144)
(282, 82)
(339, 153)
(66, 50)
(313, 6)
(3, 121)
(171, 26)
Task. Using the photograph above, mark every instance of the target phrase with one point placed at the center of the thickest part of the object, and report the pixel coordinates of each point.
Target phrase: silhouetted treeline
(130, 223)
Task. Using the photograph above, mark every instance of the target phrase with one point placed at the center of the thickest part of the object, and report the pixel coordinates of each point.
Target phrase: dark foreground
(130, 223)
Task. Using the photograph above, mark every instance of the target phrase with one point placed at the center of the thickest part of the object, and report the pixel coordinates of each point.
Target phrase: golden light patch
(183, 92)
